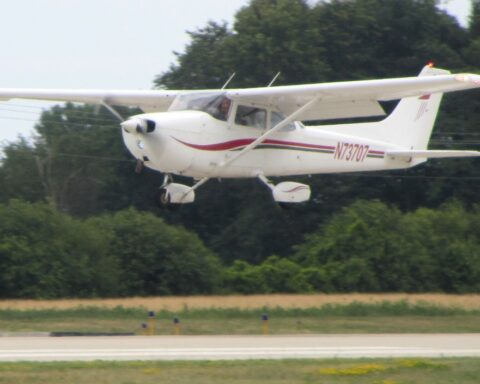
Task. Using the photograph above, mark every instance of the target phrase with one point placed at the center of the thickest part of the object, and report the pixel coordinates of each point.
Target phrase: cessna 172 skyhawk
(257, 132)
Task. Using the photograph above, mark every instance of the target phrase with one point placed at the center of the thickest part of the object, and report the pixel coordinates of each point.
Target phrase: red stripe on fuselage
(225, 146)
(239, 143)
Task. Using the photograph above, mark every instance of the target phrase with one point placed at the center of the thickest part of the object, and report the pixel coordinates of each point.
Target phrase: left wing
(148, 101)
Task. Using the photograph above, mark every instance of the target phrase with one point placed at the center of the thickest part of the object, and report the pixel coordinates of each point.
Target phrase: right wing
(354, 98)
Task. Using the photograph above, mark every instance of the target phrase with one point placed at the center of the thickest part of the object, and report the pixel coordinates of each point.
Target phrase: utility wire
(359, 174)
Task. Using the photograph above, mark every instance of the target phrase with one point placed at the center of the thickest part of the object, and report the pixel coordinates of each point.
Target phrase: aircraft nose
(137, 125)
(130, 125)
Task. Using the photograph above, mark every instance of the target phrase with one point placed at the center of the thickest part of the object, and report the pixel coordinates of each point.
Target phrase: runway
(237, 347)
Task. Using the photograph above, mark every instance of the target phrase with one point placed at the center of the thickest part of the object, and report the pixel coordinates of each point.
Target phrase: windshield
(216, 105)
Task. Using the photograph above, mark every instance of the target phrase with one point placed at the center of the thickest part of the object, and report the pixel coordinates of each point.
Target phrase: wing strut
(113, 111)
(289, 119)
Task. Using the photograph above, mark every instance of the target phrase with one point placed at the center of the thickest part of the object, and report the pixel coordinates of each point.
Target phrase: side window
(277, 117)
(221, 109)
(251, 116)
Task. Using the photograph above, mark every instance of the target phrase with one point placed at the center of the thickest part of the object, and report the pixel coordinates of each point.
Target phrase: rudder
(411, 123)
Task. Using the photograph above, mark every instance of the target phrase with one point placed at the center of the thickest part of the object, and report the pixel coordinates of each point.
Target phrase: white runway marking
(236, 347)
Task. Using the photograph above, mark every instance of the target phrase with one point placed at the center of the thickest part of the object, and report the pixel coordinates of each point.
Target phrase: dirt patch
(247, 302)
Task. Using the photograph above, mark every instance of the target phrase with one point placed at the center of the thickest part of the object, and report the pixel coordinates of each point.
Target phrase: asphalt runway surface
(237, 347)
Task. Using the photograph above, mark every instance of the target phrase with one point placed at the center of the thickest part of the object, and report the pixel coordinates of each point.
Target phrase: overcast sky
(105, 44)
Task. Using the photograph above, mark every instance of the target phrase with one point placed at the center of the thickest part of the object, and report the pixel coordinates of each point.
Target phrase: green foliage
(44, 253)
(157, 258)
(81, 155)
(475, 19)
(308, 42)
(370, 247)
(19, 173)
(191, 71)
(47, 254)
(386, 242)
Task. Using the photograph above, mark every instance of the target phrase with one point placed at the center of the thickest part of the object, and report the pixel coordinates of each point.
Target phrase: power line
(359, 174)
(69, 113)
(423, 177)
(77, 155)
(62, 123)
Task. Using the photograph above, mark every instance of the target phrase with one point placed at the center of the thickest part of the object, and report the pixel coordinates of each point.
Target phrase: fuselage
(196, 144)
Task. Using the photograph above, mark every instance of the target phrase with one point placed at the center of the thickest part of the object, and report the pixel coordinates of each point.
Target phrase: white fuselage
(195, 144)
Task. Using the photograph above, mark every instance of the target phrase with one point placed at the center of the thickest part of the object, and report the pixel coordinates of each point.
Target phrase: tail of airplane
(411, 123)
(408, 127)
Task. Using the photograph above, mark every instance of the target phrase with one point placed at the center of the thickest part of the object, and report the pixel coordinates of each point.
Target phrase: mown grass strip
(397, 317)
(378, 371)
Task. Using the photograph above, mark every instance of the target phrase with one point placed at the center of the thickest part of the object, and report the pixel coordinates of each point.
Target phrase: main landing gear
(284, 193)
(287, 192)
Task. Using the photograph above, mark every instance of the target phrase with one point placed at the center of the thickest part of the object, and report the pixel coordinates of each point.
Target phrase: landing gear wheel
(162, 199)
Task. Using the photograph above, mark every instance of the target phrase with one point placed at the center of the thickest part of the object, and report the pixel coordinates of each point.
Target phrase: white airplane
(257, 132)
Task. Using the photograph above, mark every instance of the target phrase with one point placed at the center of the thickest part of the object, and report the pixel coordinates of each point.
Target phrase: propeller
(133, 125)
(138, 125)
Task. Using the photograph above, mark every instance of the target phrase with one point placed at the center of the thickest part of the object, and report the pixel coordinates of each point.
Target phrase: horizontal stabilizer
(433, 154)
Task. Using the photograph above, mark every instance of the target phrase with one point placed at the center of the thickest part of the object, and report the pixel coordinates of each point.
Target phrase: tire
(162, 199)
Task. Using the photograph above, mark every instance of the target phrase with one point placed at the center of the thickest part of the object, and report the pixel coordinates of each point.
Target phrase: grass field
(396, 316)
(381, 371)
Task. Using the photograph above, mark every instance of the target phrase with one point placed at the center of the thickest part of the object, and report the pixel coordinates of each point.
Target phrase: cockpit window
(277, 117)
(251, 117)
(215, 105)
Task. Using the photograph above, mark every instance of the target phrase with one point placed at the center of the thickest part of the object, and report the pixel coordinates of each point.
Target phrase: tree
(76, 146)
(371, 247)
(191, 72)
(19, 173)
(157, 258)
(47, 254)
(474, 25)
(307, 41)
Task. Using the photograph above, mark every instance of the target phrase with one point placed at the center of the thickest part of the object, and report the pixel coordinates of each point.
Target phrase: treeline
(76, 175)
(367, 247)
(45, 253)
(371, 247)
(79, 164)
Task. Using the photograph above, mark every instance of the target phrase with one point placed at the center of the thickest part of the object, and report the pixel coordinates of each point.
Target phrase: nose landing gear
(173, 193)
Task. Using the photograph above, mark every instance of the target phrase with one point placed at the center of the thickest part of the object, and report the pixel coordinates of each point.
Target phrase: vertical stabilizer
(410, 124)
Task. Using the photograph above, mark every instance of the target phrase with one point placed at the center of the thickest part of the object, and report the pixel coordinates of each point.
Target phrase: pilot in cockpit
(223, 109)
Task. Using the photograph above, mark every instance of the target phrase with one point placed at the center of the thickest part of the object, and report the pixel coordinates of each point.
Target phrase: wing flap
(324, 110)
(432, 154)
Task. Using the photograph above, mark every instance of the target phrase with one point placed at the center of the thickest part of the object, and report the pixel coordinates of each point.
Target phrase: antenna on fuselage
(273, 80)
(229, 79)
